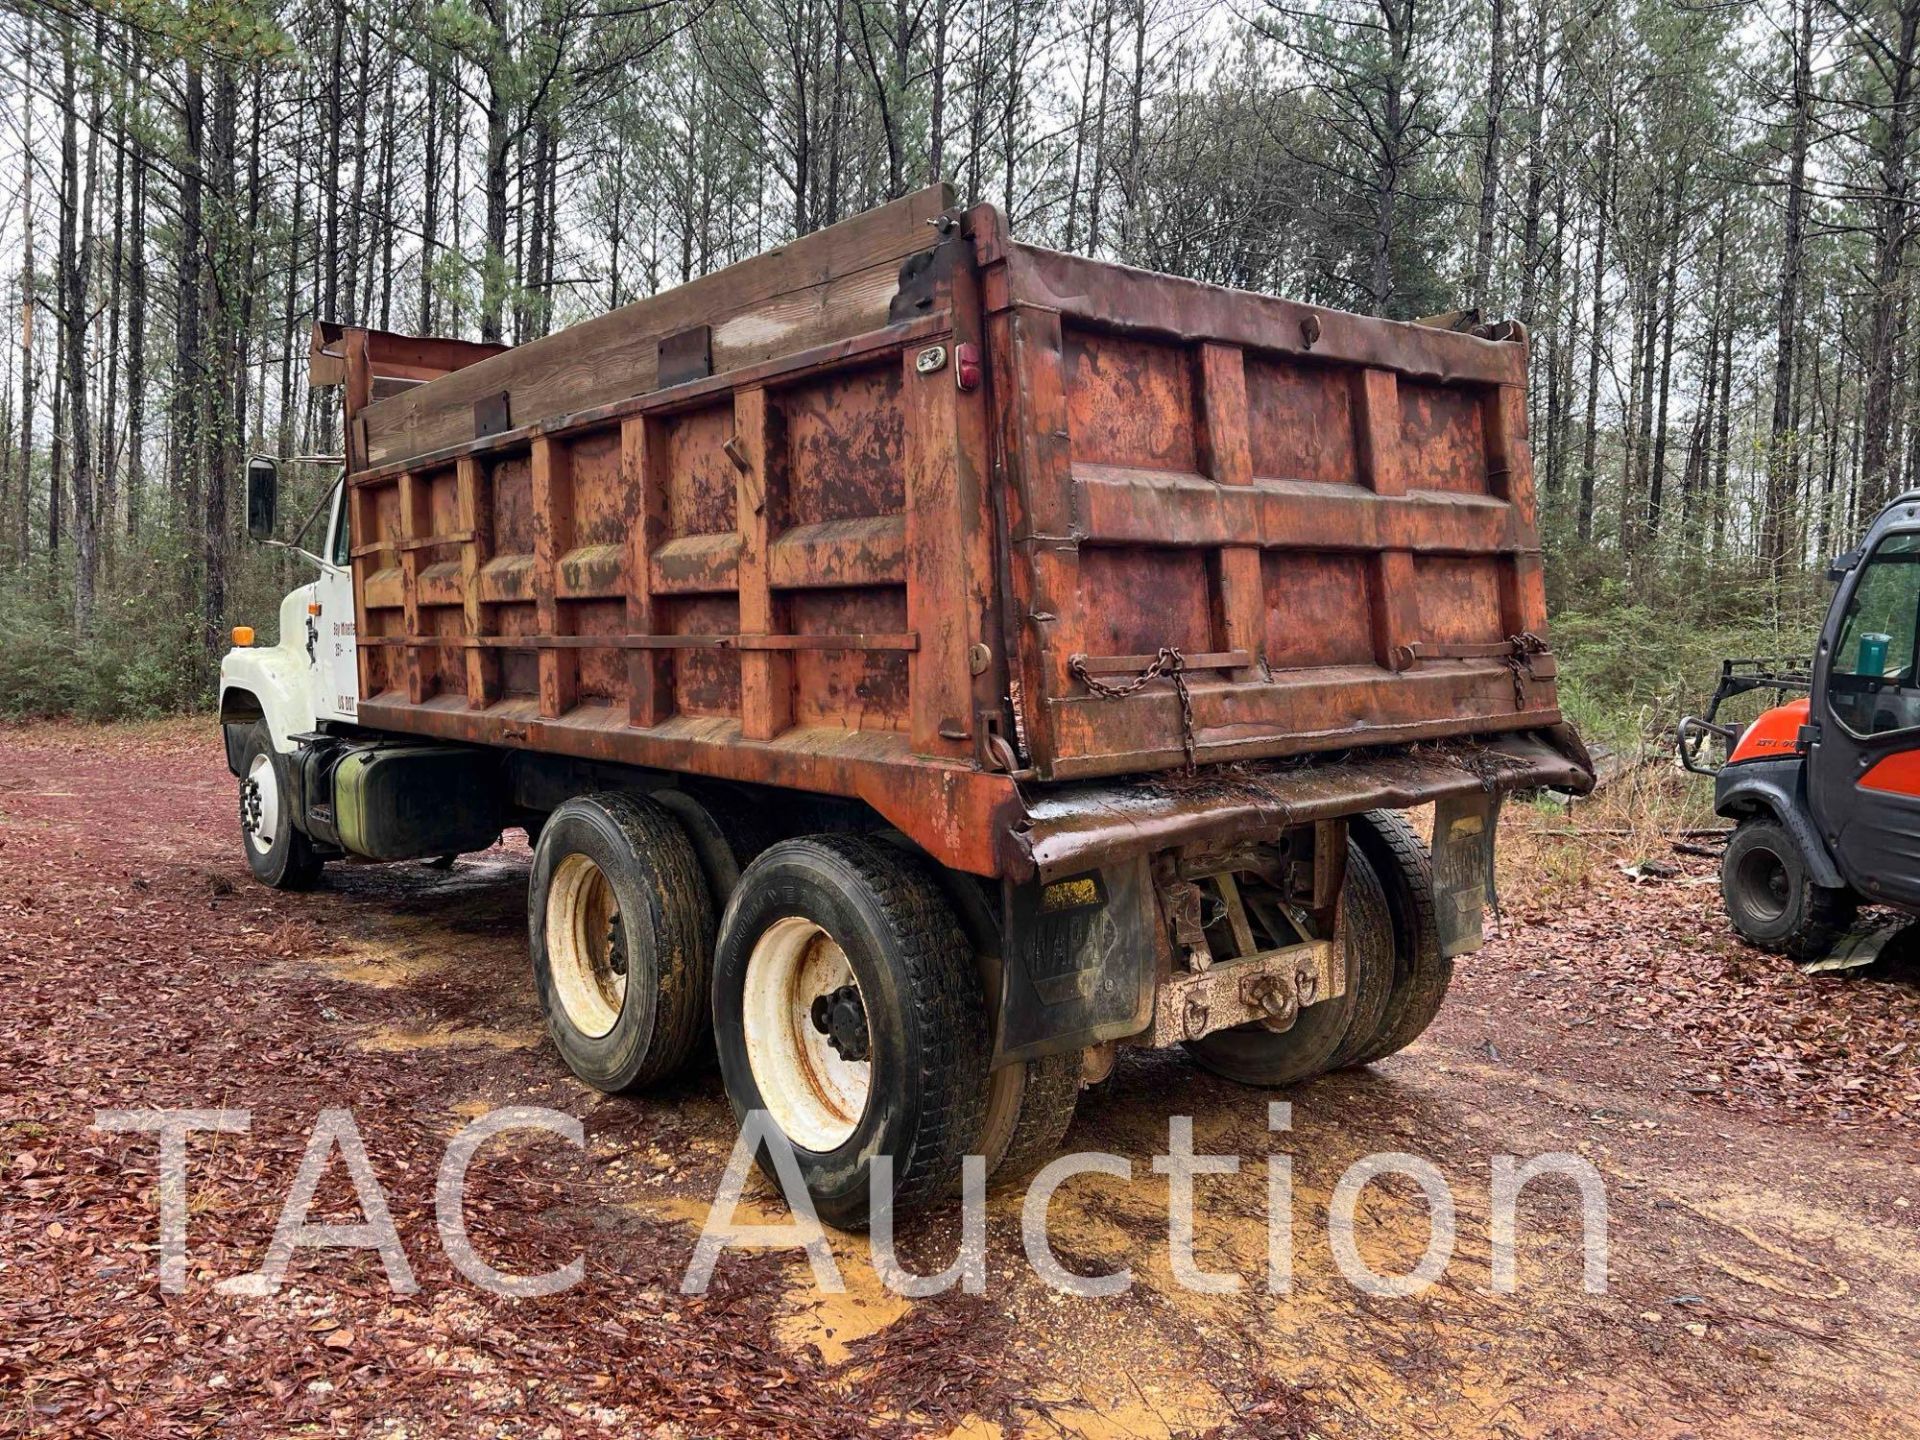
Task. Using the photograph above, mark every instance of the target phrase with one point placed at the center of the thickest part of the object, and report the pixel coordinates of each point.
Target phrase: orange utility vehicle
(931, 663)
(1825, 785)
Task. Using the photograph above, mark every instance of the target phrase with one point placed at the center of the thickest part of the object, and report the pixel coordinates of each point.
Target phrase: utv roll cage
(1783, 675)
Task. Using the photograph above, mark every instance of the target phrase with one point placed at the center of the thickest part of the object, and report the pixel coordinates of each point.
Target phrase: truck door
(1864, 769)
(334, 666)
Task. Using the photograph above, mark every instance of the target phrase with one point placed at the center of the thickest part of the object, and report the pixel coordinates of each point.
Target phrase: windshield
(1871, 683)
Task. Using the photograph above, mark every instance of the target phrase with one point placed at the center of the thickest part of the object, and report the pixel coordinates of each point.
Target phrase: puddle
(815, 1319)
(390, 1040)
(1138, 1420)
(407, 952)
(830, 1323)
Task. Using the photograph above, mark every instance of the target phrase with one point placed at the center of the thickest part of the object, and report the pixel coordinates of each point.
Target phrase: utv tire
(848, 1011)
(1030, 1104)
(1325, 1033)
(1421, 974)
(278, 852)
(1772, 899)
(621, 929)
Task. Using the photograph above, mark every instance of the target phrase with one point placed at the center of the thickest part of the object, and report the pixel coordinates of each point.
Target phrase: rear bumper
(1077, 827)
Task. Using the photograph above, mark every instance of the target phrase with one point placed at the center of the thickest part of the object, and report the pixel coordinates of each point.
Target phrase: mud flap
(1079, 962)
(1463, 828)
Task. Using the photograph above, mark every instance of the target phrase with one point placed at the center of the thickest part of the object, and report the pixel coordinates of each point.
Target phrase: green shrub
(1637, 653)
(137, 663)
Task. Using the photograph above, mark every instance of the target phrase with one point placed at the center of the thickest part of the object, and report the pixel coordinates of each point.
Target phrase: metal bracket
(684, 355)
(491, 415)
(919, 280)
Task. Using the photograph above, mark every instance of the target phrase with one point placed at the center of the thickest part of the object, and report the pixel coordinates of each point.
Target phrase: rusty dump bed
(905, 511)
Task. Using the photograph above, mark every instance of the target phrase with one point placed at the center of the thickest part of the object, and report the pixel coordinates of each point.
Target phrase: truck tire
(1319, 1037)
(1030, 1104)
(621, 929)
(848, 1009)
(1421, 974)
(278, 853)
(1773, 900)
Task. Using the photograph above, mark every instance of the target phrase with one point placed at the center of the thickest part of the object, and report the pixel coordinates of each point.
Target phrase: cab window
(1871, 684)
(342, 530)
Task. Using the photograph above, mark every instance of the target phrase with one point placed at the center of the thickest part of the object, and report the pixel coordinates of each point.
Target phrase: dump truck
(930, 665)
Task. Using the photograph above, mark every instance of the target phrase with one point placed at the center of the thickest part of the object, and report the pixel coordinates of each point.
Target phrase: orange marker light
(243, 635)
(313, 608)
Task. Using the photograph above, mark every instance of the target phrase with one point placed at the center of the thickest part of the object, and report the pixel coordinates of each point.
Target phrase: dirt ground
(1757, 1130)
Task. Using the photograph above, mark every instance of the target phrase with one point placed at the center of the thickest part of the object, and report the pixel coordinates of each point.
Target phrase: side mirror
(1841, 566)
(263, 496)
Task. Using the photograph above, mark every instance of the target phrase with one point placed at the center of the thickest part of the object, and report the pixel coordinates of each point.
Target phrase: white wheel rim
(585, 953)
(260, 804)
(813, 1093)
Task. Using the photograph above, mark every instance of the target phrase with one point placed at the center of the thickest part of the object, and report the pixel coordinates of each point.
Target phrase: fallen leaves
(142, 968)
(1646, 952)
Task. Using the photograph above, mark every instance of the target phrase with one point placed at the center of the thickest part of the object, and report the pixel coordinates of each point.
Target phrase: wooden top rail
(821, 286)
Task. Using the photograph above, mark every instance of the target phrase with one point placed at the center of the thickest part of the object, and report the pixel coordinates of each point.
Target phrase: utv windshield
(1872, 680)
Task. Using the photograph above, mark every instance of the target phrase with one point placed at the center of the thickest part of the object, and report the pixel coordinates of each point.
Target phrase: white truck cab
(269, 694)
(310, 673)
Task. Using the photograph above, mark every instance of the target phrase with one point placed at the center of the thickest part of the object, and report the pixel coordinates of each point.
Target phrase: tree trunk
(1774, 527)
(1700, 452)
(1536, 178)
(1823, 522)
(1097, 193)
(1490, 155)
(534, 226)
(936, 145)
(1010, 110)
(493, 274)
(1657, 479)
(188, 381)
(1889, 249)
(247, 421)
(430, 205)
(109, 429)
(77, 249)
(23, 492)
(1080, 138)
(289, 291)
(1723, 446)
(137, 317)
(1390, 159)
(331, 184)
(1609, 184)
(357, 201)
(224, 395)
(386, 220)
(1136, 105)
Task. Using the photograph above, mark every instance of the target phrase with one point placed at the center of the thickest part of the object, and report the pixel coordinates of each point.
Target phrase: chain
(1169, 663)
(1519, 663)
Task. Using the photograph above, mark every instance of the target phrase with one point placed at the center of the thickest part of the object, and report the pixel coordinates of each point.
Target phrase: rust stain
(1295, 499)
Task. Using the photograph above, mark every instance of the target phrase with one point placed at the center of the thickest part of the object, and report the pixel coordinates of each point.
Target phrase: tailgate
(1242, 527)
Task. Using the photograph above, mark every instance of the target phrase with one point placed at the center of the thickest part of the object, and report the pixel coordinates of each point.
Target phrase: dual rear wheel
(1396, 976)
(845, 1000)
(847, 1004)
